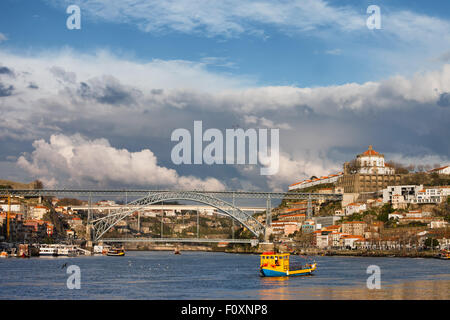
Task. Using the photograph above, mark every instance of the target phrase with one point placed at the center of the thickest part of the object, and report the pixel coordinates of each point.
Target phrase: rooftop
(370, 152)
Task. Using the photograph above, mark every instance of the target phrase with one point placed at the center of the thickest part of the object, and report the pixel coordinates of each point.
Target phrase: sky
(96, 106)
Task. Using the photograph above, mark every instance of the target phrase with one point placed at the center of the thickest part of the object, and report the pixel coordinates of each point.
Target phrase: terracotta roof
(437, 169)
(370, 152)
(347, 222)
(292, 215)
(349, 236)
(333, 227)
(355, 204)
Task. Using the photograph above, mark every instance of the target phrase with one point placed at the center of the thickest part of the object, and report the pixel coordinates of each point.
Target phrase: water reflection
(415, 290)
(198, 275)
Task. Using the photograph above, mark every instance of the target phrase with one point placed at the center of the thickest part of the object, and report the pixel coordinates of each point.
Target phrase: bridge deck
(186, 240)
(143, 193)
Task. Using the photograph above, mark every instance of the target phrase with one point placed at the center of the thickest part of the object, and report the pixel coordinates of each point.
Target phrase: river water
(208, 275)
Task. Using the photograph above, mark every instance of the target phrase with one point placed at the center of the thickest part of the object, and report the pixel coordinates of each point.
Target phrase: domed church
(369, 173)
(372, 162)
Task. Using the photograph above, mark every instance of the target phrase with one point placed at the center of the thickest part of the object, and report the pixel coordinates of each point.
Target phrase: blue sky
(285, 55)
(137, 70)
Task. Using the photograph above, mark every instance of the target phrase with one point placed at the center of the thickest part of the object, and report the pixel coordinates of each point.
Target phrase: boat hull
(48, 254)
(273, 273)
(116, 254)
(269, 272)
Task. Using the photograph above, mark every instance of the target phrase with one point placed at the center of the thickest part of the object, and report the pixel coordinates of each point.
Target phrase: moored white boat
(101, 249)
(67, 250)
(48, 250)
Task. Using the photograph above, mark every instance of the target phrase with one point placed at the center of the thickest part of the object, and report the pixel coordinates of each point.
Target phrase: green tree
(37, 184)
(431, 243)
(384, 212)
(69, 202)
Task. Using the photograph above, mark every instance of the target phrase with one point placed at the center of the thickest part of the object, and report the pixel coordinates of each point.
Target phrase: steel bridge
(223, 201)
(182, 240)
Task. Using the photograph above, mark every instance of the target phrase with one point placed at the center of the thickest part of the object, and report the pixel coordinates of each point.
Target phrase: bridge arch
(101, 225)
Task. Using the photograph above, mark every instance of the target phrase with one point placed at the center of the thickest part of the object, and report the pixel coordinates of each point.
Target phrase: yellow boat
(277, 265)
(116, 252)
(444, 254)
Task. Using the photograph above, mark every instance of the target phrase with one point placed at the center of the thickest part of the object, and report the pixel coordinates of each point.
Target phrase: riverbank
(306, 252)
(373, 253)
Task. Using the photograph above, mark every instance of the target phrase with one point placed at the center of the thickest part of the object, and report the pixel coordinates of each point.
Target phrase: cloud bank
(128, 109)
(81, 161)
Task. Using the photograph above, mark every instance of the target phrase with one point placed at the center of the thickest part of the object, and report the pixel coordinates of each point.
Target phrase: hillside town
(384, 206)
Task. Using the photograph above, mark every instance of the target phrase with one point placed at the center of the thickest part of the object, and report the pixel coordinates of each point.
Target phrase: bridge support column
(268, 219)
(89, 226)
(268, 212)
(232, 220)
(309, 207)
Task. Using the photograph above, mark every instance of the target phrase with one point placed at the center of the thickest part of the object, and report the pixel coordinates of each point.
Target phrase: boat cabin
(275, 261)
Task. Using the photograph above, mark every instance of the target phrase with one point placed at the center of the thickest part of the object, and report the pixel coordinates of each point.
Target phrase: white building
(149, 213)
(432, 195)
(322, 239)
(417, 214)
(38, 212)
(332, 178)
(371, 203)
(395, 216)
(354, 207)
(14, 208)
(436, 224)
(407, 192)
(170, 213)
(348, 241)
(106, 203)
(441, 170)
(372, 162)
(412, 216)
(400, 196)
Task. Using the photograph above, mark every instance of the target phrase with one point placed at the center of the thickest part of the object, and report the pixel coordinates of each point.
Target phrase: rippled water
(206, 275)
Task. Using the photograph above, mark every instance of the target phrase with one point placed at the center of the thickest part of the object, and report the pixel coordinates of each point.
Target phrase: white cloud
(231, 18)
(138, 104)
(228, 18)
(426, 159)
(300, 168)
(77, 160)
(2, 37)
(167, 74)
(293, 169)
(262, 122)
